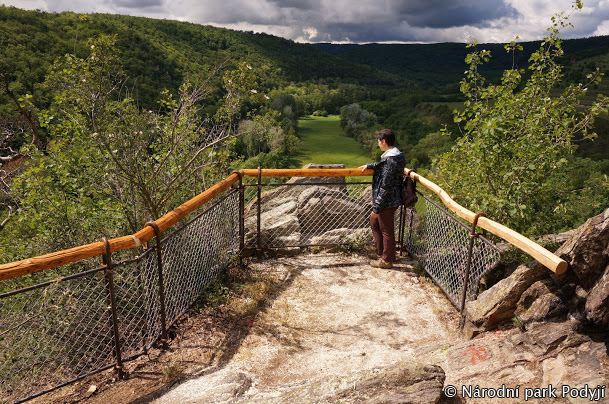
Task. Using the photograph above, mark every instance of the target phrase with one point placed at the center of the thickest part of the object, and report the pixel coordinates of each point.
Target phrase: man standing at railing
(386, 191)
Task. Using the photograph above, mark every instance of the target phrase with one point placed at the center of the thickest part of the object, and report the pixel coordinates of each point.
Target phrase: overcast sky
(360, 21)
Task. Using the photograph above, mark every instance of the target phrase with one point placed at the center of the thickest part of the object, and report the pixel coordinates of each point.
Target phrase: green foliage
(422, 154)
(354, 119)
(157, 54)
(272, 159)
(110, 165)
(216, 293)
(441, 64)
(150, 107)
(512, 159)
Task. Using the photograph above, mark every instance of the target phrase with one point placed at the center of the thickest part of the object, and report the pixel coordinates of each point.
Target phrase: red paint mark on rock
(477, 354)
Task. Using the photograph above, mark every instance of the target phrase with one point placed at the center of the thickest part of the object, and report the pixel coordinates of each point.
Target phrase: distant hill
(444, 63)
(158, 54)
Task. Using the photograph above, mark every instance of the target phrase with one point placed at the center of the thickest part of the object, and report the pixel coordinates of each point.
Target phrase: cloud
(137, 3)
(363, 20)
(444, 14)
(298, 4)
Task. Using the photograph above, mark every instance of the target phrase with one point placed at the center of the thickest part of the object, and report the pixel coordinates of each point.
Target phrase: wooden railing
(545, 257)
(35, 264)
(157, 284)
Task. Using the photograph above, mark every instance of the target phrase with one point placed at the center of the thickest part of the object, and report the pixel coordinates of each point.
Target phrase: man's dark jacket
(387, 180)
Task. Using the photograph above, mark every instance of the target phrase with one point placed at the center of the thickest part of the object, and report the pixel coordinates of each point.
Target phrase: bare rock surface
(403, 382)
(341, 332)
(597, 302)
(548, 354)
(587, 250)
(542, 300)
(497, 304)
(292, 215)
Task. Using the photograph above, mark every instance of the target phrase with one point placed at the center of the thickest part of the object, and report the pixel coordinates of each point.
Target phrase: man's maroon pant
(384, 233)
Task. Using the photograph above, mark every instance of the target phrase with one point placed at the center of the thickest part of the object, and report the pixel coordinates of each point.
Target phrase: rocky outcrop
(403, 382)
(597, 302)
(534, 294)
(322, 209)
(342, 236)
(541, 301)
(587, 251)
(280, 223)
(319, 180)
(498, 304)
(552, 353)
(322, 213)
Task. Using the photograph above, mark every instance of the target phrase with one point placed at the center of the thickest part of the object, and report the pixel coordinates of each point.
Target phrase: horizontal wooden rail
(309, 172)
(545, 257)
(55, 259)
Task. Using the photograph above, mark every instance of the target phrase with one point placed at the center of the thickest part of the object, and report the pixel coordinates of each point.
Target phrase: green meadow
(323, 143)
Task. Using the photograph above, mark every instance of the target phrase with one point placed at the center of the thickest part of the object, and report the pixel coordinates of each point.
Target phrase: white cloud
(602, 29)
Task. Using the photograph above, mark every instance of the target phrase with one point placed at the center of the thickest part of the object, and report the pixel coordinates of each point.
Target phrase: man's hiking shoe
(381, 263)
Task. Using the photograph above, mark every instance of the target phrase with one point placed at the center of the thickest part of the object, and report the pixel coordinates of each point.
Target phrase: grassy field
(323, 143)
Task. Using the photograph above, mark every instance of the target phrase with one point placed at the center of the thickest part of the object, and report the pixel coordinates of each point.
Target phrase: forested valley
(109, 121)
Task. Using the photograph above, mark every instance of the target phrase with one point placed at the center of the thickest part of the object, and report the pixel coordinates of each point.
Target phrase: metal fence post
(473, 235)
(241, 215)
(109, 278)
(408, 240)
(159, 258)
(402, 232)
(259, 208)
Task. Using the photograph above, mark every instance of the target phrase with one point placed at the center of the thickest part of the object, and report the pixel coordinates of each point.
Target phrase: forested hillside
(443, 63)
(158, 54)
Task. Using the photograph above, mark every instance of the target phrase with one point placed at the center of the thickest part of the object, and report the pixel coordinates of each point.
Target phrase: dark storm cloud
(400, 20)
(298, 4)
(137, 3)
(445, 14)
(403, 21)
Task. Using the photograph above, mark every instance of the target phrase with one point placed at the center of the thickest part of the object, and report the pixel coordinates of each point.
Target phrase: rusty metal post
(259, 208)
(401, 229)
(109, 278)
(403, 222)
(473, 235)
(159, 258)
(241, 215)
(410, 227)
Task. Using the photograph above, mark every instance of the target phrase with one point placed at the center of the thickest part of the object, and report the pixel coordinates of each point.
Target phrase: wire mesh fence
(440, 242)
(62, 330)
(54, 332)
(308, 212)
(196, 254)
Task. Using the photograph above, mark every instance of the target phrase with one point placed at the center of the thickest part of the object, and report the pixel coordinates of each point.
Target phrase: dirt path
(336, 315)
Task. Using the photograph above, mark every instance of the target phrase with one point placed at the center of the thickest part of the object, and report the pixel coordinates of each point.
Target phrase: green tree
(110, 166)
(354, 119)
(516, 137)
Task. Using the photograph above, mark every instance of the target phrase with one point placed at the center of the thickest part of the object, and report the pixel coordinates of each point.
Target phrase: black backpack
(409, 192)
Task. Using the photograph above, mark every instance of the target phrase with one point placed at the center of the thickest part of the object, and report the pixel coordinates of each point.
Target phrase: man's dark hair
(387, 135)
